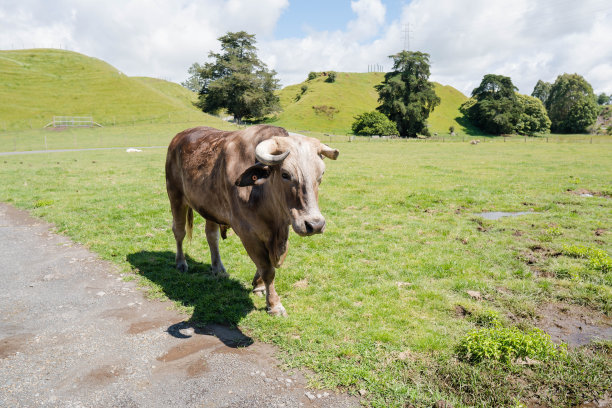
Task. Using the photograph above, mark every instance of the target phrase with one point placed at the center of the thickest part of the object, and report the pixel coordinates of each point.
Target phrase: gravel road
(73, 333)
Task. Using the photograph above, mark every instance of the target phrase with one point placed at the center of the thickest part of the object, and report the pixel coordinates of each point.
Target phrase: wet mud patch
(197, 368)
(188, 347)
(103, 375)
(573, 324)
(535, 256)
(146, 325)
(13, 344)
(582, 192)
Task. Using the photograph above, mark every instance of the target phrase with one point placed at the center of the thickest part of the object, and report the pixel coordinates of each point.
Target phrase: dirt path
(74, 334)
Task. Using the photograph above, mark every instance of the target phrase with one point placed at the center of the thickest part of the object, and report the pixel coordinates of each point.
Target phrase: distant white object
(586, 195)
(132, 150)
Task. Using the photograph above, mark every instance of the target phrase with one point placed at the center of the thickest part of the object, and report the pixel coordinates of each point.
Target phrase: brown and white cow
(257, 181)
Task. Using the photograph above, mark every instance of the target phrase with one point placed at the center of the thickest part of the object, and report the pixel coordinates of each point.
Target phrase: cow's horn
(264, 155)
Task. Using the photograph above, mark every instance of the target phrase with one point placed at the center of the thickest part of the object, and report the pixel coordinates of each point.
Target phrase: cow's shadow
(219, 303)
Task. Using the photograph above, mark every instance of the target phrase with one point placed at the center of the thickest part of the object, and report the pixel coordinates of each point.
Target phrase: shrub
(486, 318)
(506, 345)
(331, 77)
(304, 88)
(312, 75)
(374, 123)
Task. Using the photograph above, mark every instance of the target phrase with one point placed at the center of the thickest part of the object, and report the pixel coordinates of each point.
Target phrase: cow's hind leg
(179, 220)
(259, 287)
(212, 236)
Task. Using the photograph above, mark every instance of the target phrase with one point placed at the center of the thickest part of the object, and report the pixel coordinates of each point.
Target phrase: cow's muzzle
(310, 226)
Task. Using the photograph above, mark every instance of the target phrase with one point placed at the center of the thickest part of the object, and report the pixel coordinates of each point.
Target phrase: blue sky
(303, 17)
(526, 40)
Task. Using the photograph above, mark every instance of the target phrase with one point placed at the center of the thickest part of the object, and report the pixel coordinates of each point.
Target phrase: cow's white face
(293, 182)
(298, 177)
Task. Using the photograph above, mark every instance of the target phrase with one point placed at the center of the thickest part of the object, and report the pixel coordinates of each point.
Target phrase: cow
(257, 181)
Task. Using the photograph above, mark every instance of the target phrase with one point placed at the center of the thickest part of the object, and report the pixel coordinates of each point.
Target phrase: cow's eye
(286, 175)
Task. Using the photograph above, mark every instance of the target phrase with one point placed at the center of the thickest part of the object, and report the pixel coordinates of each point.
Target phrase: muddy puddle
(574, 325)
(496, 215)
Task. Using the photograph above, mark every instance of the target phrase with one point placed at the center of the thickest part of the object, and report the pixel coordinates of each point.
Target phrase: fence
(584, 139)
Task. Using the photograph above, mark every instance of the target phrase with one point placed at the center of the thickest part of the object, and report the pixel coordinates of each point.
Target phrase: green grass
(151, 134)
(353, 94)
(42, 83)
(402, 248)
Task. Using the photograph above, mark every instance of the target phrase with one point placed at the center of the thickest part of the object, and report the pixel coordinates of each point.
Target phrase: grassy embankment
(352, 94)
(41, 83)
(379, 302)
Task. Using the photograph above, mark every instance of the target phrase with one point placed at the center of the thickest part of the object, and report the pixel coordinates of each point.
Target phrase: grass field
(380, 302)
(353, 94)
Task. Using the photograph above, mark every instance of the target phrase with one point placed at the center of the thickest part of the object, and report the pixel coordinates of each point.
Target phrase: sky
(526, 40)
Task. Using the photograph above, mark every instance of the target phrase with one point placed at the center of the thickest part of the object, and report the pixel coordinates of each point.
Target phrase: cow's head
(292, 168)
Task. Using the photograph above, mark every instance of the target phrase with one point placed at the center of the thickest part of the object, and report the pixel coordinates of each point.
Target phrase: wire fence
(158, 131)
(472, 139)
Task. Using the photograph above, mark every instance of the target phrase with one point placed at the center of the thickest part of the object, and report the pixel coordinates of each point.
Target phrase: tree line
(238, 82)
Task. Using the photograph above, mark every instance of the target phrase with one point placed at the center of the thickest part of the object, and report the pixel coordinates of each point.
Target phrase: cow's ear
(254, 175)
(328, 152)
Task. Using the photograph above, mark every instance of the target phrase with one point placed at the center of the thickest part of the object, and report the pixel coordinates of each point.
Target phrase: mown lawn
(380, 301)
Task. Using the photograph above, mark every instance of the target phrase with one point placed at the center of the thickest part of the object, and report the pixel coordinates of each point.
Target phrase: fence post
(591, 140)
(547, 139)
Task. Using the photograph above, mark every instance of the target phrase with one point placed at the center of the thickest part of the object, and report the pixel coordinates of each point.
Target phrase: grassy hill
(41, 83)
(350, 95)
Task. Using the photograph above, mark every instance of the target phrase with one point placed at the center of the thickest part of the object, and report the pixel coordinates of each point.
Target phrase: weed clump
(598, 258)
(506, 345)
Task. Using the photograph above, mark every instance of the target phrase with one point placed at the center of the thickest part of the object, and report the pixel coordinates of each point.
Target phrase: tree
(571, 105)
(495, 108)
(603, 99)
(533, 118)
(373, 123)
(542, 90)
(236, 80)
(331, 76)
(406, 95)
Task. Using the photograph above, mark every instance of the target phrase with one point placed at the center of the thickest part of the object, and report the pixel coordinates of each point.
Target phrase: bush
(312, 75)
(304, 88)
(374, 123)
(331, 77)
(506, 345)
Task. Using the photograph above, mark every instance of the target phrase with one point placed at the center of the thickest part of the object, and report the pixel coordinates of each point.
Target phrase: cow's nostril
(309, 228)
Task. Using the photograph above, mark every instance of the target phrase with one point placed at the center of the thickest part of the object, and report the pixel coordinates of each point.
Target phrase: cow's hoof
(259, 290)
(219, 272)
(182, 267)
(277, 310)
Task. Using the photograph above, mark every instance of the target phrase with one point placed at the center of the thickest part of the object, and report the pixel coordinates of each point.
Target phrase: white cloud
(370, 16)
(524, 39)
(140, 37)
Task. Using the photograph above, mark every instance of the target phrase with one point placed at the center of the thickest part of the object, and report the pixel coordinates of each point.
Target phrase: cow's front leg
(273, 303)
(212, 236)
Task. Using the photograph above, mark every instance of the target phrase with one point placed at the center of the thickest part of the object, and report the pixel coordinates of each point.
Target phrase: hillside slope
(353, 94)
(37, 84)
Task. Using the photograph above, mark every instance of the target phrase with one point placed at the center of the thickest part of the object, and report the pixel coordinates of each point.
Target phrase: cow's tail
(189, 226)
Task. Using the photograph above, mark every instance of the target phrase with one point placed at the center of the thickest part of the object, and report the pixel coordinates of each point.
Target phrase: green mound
(38, 84)
(331, 107)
